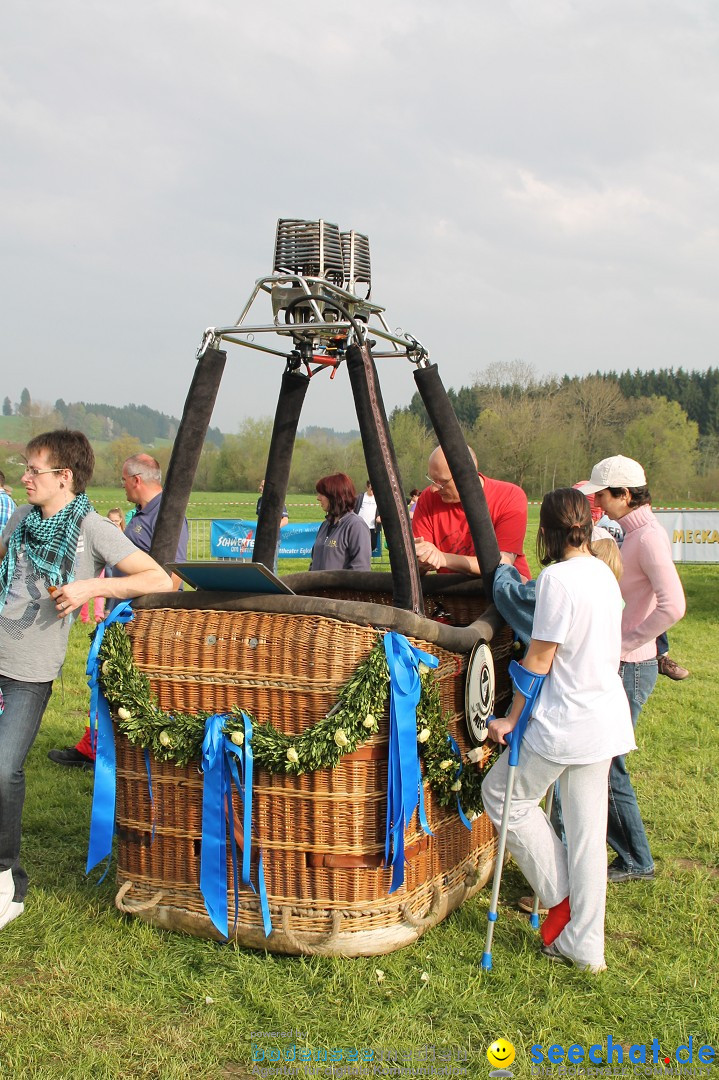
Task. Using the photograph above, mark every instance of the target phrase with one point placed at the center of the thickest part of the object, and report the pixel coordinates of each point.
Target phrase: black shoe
(617, 873)
(551, 952)
(71, 756)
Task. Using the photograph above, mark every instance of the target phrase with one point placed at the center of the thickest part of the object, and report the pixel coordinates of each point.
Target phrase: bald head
(144, 466)
(438, 460)
(141, 478)
(440, 476)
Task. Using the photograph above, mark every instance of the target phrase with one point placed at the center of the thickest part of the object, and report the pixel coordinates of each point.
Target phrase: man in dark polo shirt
(142, 481)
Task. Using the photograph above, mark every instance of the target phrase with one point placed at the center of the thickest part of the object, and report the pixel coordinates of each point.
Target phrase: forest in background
(100, 422)
(537, 432)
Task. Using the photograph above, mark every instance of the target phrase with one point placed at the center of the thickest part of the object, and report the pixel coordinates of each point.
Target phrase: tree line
(101, 422)
(538, 433)
(696, 392)
(542, 433)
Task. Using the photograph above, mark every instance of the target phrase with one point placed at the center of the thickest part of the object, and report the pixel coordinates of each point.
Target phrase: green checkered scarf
(50, 544)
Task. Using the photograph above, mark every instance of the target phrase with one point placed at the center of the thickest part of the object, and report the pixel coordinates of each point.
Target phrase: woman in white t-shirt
(579, 722)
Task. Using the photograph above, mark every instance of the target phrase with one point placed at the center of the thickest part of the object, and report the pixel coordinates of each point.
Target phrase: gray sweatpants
(579, 870)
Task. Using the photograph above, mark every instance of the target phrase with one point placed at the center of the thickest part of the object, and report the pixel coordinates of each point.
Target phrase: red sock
(85, 745)
(557, 918)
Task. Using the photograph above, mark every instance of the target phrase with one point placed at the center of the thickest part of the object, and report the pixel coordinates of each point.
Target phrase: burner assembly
(320, 290)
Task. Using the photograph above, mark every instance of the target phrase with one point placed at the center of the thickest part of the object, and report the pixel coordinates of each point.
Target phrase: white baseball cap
(614, 472)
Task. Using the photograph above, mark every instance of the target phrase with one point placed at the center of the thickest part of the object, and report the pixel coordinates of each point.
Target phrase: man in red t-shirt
(442, 538)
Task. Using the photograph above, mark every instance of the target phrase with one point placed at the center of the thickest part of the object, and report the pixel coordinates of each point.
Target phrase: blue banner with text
(235, 539)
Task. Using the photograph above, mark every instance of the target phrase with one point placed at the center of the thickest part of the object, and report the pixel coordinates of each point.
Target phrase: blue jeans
(625, 832)
(25, 704)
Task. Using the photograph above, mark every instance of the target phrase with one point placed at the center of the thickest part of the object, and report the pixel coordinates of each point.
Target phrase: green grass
(14, 429)
(216, 504)
(86, 992)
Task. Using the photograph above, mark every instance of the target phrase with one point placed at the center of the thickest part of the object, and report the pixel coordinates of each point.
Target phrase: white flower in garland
(456, 786)
(140, 718)
(423, 668)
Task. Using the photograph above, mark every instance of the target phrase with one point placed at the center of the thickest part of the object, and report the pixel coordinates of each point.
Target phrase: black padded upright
(452, 440)
(385, 479)
(186, 452)
(279, 460)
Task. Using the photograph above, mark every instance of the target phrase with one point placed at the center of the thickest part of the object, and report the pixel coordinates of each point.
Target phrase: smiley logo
(500, 1054)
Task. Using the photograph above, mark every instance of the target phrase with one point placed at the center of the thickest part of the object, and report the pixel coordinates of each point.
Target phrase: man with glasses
(51, 553)
(443, 541)
(142, 481)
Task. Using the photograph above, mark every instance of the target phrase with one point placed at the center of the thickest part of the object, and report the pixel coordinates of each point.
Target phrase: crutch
(528, 684)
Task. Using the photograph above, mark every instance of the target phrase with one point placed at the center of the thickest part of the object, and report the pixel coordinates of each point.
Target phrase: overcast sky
(538, 179)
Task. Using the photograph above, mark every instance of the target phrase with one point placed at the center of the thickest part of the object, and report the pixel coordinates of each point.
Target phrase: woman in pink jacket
(654, 601)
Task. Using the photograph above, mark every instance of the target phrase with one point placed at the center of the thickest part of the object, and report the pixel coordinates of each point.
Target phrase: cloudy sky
(538, 179)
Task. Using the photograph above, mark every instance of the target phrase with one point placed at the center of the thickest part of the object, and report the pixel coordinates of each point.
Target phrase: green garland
(178, 737)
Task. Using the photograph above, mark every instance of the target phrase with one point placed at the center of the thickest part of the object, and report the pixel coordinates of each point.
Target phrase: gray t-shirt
(342, 545)
(33, 640)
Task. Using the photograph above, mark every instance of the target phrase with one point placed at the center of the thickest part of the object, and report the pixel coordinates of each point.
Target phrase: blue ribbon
(102, 821)
(462, 816)
(220, 758)
(405, 790)
(148, 767)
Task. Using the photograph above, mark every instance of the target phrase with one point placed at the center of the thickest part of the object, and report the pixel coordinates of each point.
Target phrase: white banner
(693, 534)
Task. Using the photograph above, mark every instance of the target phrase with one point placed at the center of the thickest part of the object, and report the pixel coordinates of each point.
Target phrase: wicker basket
(322, 834)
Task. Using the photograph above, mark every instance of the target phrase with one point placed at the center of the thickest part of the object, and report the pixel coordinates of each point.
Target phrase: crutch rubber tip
(486, 961)
(534, 922)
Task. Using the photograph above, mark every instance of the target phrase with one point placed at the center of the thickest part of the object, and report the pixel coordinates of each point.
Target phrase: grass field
(221, 504)
(86, 992)
(216, 504)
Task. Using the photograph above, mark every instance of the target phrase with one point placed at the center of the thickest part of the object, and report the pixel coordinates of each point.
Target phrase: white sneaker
(7, 890)
(12, 912)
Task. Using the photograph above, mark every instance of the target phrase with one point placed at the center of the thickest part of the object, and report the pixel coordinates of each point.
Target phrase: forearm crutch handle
(528, 683)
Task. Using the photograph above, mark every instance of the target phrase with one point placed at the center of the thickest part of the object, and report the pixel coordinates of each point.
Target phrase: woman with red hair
(343, 541)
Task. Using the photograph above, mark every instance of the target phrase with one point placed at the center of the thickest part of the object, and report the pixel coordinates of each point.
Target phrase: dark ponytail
(565, 520)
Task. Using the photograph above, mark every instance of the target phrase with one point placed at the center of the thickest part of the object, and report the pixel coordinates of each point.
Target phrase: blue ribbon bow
(462, 816)
(102, 821)
(220, 757)
(405, 790)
